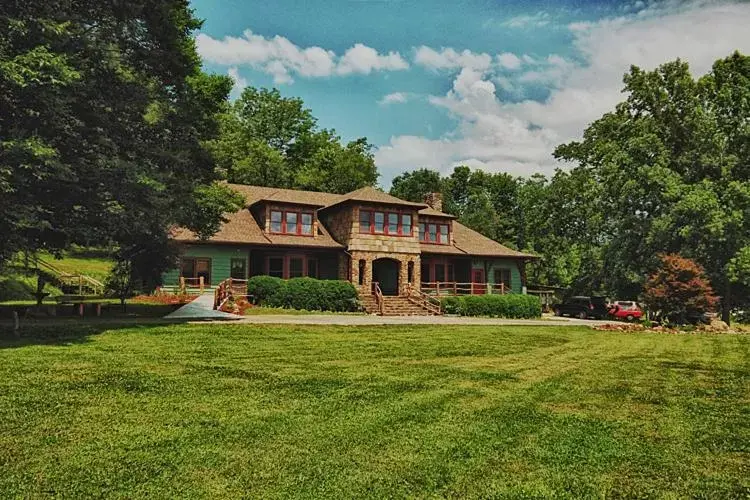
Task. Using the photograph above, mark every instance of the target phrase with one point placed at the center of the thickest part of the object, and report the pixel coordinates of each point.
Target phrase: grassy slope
(73, 263)
(229, 411)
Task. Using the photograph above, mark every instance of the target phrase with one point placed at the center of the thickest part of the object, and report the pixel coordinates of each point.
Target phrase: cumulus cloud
(394, 98)
(519, 137)
(281, 58)
(449, 58)
(509, 60)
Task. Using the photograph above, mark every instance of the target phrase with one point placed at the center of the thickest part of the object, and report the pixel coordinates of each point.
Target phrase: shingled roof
(371, 195)
(242, 228)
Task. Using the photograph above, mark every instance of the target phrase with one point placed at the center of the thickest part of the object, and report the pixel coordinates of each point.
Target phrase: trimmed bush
(303, 293)
(497, 306)
(263, 288)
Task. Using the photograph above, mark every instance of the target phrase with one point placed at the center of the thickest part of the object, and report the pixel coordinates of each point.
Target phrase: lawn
(242, 411)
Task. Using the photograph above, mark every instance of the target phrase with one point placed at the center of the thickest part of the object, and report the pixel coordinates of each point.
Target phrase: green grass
(242, 411)
(96, 266)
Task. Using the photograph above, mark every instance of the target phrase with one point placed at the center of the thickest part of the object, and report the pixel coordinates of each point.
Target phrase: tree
(678, 291)
(673, 163)
(121, 282)
(270, 140)
(103, 109)
(417, 184)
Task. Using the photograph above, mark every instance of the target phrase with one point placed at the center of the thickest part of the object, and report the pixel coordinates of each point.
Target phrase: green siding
(220, 256)
(491, 264)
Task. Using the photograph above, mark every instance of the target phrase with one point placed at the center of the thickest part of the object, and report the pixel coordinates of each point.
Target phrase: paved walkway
(201, 308)
(365, 320)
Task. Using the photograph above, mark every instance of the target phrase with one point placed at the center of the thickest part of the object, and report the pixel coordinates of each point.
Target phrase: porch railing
(437, 288)
(428, 302)
(186, 283)
(378, 294)
(230, 287)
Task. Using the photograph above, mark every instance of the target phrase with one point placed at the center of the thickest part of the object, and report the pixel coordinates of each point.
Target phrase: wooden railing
(438, 288)
(81, 281)
(230, 287)
(378, 294)
(427, 302)
(186, 283)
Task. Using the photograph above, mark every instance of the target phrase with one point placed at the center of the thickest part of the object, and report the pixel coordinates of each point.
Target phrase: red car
(626, 310)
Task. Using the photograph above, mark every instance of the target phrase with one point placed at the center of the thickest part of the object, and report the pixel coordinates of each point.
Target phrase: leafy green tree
(270, 140)
(417, 184)
(103, 108)
(674, 166)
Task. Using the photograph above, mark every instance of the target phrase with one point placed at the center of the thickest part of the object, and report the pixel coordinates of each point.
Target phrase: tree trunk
(726, 303)
(122, 303)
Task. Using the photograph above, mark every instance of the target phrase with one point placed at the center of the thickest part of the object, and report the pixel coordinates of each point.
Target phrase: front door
(385, 273)
(478, 285)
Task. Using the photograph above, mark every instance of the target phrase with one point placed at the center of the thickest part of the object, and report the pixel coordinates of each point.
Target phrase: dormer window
(292, 222)
(437, 234)
(390, 223)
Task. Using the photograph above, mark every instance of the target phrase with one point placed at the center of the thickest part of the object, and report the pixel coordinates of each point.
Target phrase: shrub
(452, 305)
(263, 288)
(303, 293)
(13, 289)
(340, 296)
(679, 292)
(498, 306)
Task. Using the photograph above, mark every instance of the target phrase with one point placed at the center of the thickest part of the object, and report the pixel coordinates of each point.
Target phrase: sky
(486, 83)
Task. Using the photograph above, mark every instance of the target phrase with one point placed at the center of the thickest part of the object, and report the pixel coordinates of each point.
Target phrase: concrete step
(394, 306)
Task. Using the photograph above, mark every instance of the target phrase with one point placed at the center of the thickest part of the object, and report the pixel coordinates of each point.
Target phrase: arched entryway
(385, 273)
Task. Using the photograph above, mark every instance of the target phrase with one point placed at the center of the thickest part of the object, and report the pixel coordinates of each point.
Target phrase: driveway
(368, 320)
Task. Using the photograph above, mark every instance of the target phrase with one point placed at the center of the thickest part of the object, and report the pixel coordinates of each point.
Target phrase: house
(366, 237)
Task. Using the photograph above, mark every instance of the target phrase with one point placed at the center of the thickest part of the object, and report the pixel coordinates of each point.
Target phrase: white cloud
(449, 58)
(239, 82)
(364, 59)
(509, 60)
(281, 58)
(519, 137)
(395, 97)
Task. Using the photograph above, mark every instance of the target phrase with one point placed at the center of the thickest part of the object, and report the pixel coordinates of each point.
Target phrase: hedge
(303, 293)
(497, 306)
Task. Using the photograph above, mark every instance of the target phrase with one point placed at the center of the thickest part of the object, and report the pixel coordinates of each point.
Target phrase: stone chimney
(435, 200)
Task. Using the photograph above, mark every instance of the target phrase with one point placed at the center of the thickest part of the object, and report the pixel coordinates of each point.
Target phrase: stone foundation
(403, 273)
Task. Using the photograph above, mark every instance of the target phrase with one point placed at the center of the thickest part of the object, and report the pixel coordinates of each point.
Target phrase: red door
(478, 285)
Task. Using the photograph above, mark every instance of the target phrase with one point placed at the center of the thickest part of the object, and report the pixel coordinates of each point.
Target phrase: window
(238, 269)
(307, 224)
(379, 222)
(444, 239)
(432, 228)
(364, 221)
(410, 272)
(276, 221)
(276, 266)
(425, 271)
(193, 269)
(392, 223)
(312, 268)
(503, 276)
(435, 233)
(362, 267)
(296, 267)
(291, 223)
(440, 272)
(406, 224)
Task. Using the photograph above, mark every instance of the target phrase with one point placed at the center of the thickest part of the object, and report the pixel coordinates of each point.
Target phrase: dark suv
(583, 307)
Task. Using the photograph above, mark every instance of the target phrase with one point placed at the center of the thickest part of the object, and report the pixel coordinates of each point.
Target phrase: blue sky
(492, 84)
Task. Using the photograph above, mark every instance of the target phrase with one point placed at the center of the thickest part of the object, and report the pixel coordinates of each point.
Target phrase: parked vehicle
(583, 307)
(625, 310)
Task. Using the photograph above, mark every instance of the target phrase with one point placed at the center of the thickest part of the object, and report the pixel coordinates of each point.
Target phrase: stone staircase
(394, 306)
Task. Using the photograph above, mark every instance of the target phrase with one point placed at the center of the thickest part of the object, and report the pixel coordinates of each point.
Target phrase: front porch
(448, 275)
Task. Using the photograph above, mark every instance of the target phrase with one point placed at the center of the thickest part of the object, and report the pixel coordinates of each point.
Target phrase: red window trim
(386, 232)
(285, 266)
(426, 234)
(299, 213)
